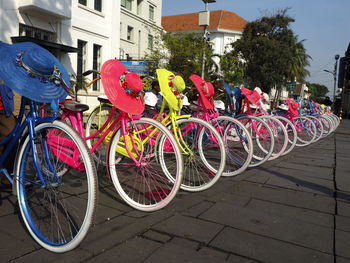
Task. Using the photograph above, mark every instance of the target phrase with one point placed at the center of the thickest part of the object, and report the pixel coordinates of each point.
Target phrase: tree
(318, 91)
(232, 69)
(298, 62)
(182, 53)
(157, 58)
(270, 52)
(78, 82)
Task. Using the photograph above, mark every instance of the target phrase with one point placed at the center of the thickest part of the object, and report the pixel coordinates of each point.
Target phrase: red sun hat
(253, 96)
(206, 91)
(293, 106)
(122, 88)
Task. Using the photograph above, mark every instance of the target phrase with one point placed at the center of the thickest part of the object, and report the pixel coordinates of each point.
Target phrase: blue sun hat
(34, 72)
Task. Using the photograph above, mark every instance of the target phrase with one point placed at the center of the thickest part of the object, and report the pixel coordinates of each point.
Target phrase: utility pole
(204, 20)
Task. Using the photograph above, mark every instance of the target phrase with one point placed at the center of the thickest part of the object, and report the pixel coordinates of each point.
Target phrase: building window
(151, 12)
(81, 63)
(126, 4)
(150, 41)
(130, 33)
(82, 2)
(98, 5)
(96, 65)
(139, 7)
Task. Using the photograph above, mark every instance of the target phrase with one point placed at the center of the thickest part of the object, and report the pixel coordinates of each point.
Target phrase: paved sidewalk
(294, 209)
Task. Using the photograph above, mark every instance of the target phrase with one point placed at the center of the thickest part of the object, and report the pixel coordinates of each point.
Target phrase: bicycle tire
(306, 131)
(238, 144)
(319, 127)
(147, 186)
(258, 128)
(280, 135)
(292, 134)
(202, 168)
(328, 125)
(67, 202)
(95, 122)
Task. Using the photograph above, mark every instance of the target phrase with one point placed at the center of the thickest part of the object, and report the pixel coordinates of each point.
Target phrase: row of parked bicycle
(152, 153)
(148, 153)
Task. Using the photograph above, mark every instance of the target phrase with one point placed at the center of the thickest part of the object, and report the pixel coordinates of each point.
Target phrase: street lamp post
(204, 21)
(334, 73)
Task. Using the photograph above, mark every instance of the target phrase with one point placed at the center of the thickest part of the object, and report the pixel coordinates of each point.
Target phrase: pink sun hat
(206, 91)
(122, 88)
(253, 96)
(293, 106)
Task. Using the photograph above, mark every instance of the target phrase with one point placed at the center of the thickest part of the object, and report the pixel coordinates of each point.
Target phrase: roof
(218, 19)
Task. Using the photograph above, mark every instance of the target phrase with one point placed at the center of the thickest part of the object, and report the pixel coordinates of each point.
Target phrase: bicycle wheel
(203, 152)
(238, 144)
(152, 180)
(95, 122)
(262, 136)
(306, 130)
(58, 210)
(292, 134)
(318, 125)
(280, 135)
(327, 125)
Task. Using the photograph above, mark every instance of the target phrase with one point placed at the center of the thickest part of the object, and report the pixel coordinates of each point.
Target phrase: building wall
(222, 39)
(142, 25)
(8, 20)
(94, 28)
(69, 21)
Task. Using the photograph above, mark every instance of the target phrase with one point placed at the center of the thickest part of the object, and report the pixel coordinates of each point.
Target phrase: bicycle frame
(172, 117)
(30, 121)
(133, 146)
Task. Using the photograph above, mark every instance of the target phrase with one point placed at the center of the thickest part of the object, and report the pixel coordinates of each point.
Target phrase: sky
(323, 24)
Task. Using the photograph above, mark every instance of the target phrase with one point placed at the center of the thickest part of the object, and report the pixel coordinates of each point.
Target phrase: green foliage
(147, 83)
(182, 53)
(318, 91)
(78, 82)
(157, 57)
(185, 53)
(271, 52)
(232, 69)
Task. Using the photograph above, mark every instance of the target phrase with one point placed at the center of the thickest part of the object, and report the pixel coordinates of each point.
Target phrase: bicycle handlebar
(86, 73)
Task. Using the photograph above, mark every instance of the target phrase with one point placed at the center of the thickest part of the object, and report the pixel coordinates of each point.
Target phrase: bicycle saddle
(75, 106)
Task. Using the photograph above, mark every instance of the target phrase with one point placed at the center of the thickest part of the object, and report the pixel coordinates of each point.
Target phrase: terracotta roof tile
(218, 19)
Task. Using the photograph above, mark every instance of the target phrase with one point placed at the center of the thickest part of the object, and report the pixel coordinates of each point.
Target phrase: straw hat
(293, 106)
(205, 89)
(34, 72)
(123, 88)
(171, 87)
(252, 95)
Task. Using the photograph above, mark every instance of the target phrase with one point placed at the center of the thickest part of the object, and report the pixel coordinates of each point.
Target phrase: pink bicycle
(238, 143)
(146, 176)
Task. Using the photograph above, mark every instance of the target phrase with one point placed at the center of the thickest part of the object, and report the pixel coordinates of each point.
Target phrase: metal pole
(204, 36)
(335, 78)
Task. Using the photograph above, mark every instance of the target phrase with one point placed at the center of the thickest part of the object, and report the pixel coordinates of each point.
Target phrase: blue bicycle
(57, 199)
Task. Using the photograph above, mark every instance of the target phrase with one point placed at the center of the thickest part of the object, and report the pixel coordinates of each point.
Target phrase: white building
(83, 34)
(225, 27)
(140, 20)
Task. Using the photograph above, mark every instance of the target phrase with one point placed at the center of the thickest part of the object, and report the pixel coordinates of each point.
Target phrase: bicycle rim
(238, 144)
(262, 136)
(153, 180)
(59, 212)
(204, 155)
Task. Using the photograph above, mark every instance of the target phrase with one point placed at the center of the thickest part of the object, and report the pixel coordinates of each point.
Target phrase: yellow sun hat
(171, 87)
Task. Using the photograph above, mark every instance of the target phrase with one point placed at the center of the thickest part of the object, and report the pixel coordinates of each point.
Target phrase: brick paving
(293, 209)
